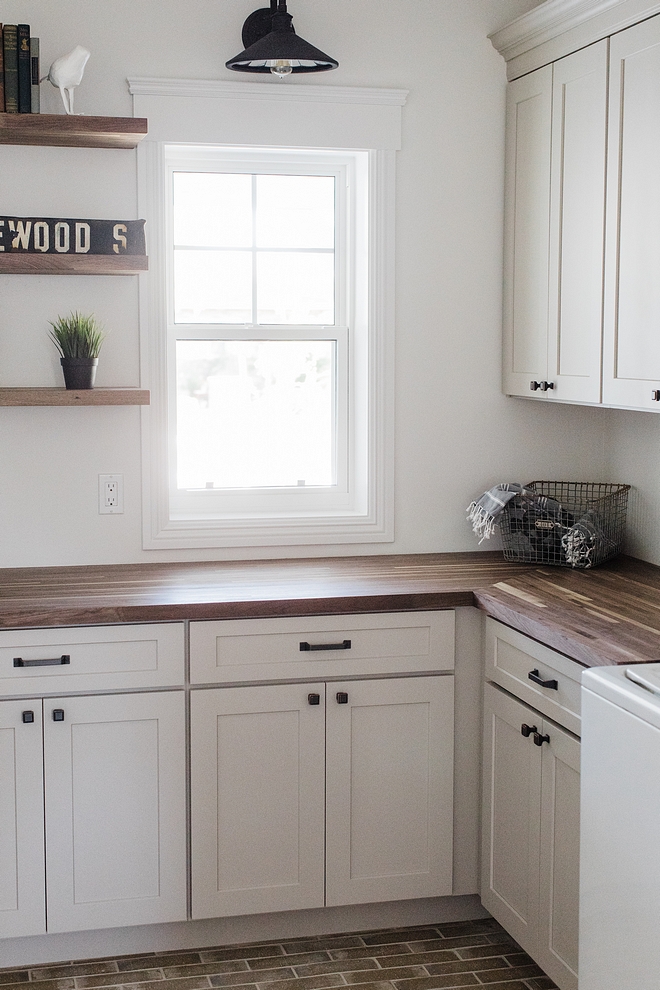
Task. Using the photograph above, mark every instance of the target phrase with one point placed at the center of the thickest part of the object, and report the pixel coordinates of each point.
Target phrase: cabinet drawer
(99, 658)
(320, 647)
(510, 659)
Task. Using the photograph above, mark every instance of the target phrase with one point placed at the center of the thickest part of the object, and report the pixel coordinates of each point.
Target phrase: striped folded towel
(483, 513)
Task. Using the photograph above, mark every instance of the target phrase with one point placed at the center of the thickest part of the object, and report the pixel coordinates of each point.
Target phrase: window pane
(212, 209)
(255, 414)
(212, 287)
(295, 288)
(295, 211)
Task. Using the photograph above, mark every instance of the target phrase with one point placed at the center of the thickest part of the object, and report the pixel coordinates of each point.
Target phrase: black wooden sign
(48, 235)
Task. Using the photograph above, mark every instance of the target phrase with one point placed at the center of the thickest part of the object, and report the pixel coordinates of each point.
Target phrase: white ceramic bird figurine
(66, 73)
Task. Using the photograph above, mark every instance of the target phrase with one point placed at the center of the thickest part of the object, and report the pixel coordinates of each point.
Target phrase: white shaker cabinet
(350, 781)
(554, 229)
(560, 856)
(22, 868)
(531, 829)
(389, 797)
(632, 286)
(114, 768)
(582, 225)
(531, 800)
(511, 819)
(333, 786)
(107, 775)
(527, 212)
(577, 199)
(92, 786)
(257, 762)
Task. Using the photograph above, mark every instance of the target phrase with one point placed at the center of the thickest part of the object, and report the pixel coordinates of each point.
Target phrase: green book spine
(2, 74)
(24, 70)
(34, 62)
(10, 45)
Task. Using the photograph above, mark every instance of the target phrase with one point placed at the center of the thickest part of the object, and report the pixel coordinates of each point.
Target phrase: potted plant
(78, 338)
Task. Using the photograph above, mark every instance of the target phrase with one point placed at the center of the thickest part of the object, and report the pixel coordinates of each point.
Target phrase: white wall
(633, 457)
(456, 434)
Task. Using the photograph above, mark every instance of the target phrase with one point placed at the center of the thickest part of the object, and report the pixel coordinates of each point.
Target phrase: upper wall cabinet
(631, 369)
(577, 196)
(582, 239)
(527, 171)
(555, 195)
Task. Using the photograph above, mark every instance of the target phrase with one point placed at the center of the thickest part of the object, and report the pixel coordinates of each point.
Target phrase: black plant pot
(79, 373)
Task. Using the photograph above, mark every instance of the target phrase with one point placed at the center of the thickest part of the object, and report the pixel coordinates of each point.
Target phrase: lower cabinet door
(560, 857)
(22, 875)
(257, 757)
(511, 816)
(530, 858)
(389, 807)
(115, 810)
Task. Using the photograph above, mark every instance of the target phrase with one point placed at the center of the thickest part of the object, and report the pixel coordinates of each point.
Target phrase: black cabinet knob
(342, 698)
(28, 717)
(527, 730)
(539, 739)
(655, 395)
(58, 714)
(543, 386)
(314, 699)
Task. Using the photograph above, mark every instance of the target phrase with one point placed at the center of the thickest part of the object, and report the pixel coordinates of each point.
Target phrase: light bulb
(282, 68)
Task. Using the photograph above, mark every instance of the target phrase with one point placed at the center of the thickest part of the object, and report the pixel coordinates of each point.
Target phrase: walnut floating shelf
(26, 263)
(60, 130)
(74, 397)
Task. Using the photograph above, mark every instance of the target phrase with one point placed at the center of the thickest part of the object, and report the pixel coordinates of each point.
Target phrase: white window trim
(197, 112)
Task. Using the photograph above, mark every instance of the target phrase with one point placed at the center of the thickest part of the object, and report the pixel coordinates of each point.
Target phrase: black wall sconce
(272, 45)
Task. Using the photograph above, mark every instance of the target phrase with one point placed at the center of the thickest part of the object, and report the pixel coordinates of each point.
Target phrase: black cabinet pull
(536, 677)
(533, 386)
(58, 714)
(527, 730)
(55, 662)
(312, 647)
(539, 739)
(28, 717)
(655, 395)
(314, 699)
(342, 698)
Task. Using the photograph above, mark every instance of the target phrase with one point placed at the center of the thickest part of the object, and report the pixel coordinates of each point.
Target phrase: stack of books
(19, 70)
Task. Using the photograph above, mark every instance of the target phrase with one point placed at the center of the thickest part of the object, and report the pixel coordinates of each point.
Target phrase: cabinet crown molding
(557, 17)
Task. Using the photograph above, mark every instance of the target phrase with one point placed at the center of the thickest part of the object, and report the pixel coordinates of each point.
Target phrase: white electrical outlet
(111, 493)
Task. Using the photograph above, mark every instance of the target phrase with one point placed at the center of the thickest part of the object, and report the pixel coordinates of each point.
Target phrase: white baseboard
(41, 949)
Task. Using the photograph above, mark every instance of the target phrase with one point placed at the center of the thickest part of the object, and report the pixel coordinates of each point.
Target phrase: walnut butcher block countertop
(608, 615)
(605, 616)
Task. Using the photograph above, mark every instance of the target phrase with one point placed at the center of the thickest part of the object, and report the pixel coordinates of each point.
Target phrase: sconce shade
(279, 44)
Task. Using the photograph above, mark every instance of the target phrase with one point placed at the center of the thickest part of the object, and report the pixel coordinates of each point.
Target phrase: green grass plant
(77, 336)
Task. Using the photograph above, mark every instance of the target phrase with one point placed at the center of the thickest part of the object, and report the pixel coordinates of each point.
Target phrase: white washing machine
(620, 829)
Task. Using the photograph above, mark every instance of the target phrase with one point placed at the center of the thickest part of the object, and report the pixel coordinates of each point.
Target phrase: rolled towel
(586, 540)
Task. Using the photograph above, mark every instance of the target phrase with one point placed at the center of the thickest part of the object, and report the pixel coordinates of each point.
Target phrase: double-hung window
(261, 299)
(267, 315)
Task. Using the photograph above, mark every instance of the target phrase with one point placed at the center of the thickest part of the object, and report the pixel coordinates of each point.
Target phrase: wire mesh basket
(565, 523)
